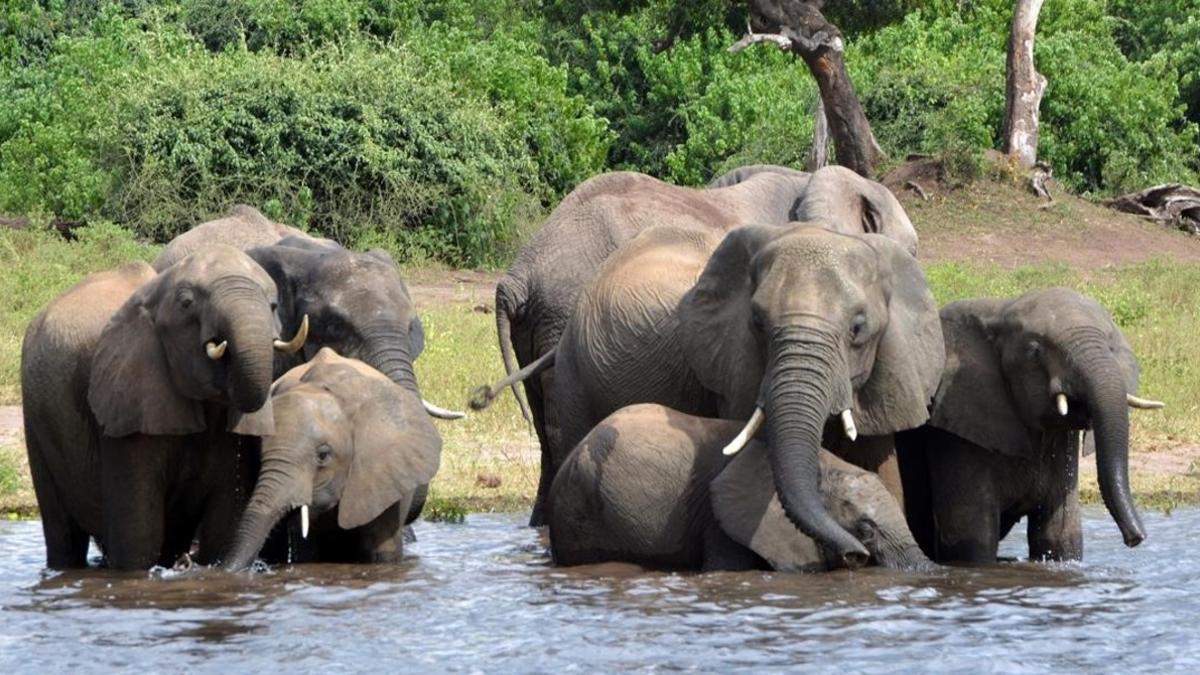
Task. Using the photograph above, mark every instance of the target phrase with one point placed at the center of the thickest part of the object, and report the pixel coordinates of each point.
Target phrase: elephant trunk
(387, 351)
(248, 325)
(797, 393)
(1105, 391)
(277, 492)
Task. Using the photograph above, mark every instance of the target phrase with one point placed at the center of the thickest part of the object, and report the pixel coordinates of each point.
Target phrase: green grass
(37, 265)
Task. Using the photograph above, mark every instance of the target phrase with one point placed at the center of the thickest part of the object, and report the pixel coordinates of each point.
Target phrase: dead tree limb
(1023, 86)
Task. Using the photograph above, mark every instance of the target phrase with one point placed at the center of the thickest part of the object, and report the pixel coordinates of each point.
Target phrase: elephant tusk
(215, 351)
(292, 346)
(1061, 402)
(442, 413)
(746, 433)
(304, 522)
(1143, 403)
(848, 425)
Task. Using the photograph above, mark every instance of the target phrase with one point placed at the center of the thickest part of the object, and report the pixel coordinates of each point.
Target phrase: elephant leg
(228, 474)
(134, 502)
(66, 542)
(545, 420)
(382, 540)
(966, 515)
(918, 503)
(1054, 528)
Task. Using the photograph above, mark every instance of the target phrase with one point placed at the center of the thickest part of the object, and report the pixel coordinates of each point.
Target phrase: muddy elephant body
(134, 385)
(352, 448)
(538, 294)
(1024, 376)
(795, 328)
(243, 228)
(650, 485)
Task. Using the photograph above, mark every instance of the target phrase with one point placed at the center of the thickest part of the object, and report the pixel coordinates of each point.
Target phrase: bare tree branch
(752, 38)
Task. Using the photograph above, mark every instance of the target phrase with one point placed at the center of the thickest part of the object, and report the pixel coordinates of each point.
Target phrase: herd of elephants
(749, 375)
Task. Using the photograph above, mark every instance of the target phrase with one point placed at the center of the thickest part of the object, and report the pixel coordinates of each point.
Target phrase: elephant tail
(504, 330)
(485, 395)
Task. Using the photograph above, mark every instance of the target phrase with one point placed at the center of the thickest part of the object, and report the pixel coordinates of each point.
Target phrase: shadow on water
(484, 595)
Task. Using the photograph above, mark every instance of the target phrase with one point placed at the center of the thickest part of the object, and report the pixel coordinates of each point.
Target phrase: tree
(1023, 87)
(799, 27)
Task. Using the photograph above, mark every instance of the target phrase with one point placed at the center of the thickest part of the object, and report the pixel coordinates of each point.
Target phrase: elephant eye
(858, 329)
(186, 297)
(1035, 349)
(757, 323)
(324, 453)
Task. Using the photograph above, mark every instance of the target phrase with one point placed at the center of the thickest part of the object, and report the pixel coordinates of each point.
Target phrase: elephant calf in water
(650, 485)
(356, 449)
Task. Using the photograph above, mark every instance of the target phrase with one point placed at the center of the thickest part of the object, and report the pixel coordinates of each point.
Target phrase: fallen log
(1175, 204)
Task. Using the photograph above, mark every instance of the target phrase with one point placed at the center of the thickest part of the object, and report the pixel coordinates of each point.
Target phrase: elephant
(243, 227)
(1023, 376)
(538, 293)
(781, 325)
(742, 173)
(360, 306)
(136, 388)
(649, 485)
(351, 446)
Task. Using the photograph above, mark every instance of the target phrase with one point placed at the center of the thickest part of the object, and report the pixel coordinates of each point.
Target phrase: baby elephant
(353, 448)
(651, 486)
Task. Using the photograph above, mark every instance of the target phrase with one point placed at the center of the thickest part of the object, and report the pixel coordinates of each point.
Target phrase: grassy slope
(987, 239)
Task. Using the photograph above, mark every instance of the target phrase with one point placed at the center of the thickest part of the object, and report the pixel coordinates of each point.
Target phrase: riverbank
(990, 238)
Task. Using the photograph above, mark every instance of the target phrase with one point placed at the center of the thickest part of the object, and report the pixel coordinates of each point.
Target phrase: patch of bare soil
(1000, 221)
(12, 425)
(432, 288)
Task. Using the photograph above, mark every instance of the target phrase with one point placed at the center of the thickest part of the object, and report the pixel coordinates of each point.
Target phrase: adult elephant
(358, 303)
(353, 447)
(741, 173)
(537, 295)
(1023, 376)
(787, 324)
(650, 485)
(244, 227)
(131, 384)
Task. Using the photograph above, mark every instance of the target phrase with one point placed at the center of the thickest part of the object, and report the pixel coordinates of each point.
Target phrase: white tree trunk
(1024, 86)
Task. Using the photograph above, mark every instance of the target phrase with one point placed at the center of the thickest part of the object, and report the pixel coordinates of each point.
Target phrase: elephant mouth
(844, 419)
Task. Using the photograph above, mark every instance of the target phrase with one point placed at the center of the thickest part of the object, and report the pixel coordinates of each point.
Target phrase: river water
(481, 596)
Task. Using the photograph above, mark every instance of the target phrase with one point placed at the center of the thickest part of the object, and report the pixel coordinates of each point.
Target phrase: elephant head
(1049, 361)
(846, 202)
(790, 325)
(346, 437)
(202, 331)
(749, 511)
(359, 305)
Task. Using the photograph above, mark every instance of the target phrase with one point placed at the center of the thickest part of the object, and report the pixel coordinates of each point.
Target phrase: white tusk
(304, 522)
(292, 346)
(215, 351)
(848, 425)
(1061, 401)
(1143, 403)
(746, 433)
(442, 413)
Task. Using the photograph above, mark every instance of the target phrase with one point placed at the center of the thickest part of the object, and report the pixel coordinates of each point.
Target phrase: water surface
(483, 597)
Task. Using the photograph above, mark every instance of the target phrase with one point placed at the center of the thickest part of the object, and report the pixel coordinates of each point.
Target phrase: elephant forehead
(308, 410)
(210, 263)
(1049, 311)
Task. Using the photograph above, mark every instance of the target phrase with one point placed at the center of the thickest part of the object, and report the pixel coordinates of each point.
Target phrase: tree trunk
(818, 154)
(1024, 86)
(820, 44)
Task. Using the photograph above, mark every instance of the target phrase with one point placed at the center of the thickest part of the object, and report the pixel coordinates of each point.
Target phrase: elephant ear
(396, 451)
(715, 321)
(910, 354)
(748, 510)
(129, 387)
(973, 399)
(416, 337)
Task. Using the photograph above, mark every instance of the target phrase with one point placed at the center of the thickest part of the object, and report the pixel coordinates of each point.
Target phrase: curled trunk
(799, 385)
(250, 332)
(1105, 392)
(387, 351)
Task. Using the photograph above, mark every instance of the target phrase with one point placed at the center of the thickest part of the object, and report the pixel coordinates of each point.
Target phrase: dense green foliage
(444, 129)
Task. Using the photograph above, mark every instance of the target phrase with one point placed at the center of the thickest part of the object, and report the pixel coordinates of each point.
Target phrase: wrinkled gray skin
(243, 228)
(537, 295)
(742, 173)
(649, 485)
(351, 445)
(996, 448)
(798, 320)
(126, 415)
